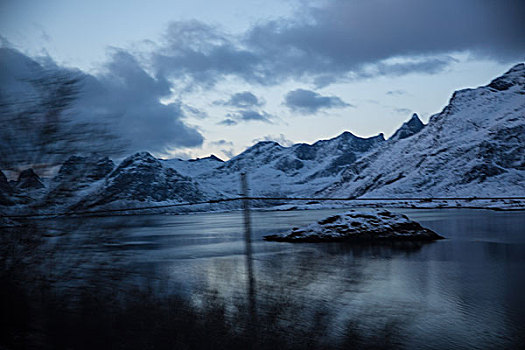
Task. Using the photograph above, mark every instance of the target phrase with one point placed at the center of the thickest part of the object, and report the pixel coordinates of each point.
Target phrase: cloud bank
(123, 99)
(246, 115)
(310, 102)
(243, 99)
(342, 39)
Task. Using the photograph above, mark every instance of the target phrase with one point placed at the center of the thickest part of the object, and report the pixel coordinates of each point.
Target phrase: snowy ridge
(276, 170)
(193, 167)
(141, 177)
(474, 147)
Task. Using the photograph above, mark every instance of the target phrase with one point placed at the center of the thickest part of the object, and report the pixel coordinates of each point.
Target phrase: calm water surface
(467, 291)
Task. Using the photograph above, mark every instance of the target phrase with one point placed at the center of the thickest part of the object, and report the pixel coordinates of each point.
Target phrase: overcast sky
(190, 78)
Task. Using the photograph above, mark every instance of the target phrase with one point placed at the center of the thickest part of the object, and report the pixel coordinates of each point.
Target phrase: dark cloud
(310, 102)
(221, 143)
(344, 36)
(245, 115)
(128, 96)
(396, 92)
(123, 98)
(195, 112)
(241, 100)
(204, 53)
(249, 114)
(346, 40)
(227, 122)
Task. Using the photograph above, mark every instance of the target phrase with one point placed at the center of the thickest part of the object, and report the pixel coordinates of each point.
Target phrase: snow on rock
(143, 178)
(352, 226)
(301, 169)
(474, 147)
(193, 167)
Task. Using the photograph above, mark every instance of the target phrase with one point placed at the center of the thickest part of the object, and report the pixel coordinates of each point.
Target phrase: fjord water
(467, 291)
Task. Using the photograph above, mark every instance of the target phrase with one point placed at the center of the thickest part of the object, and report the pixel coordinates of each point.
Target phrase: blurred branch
(39, 128)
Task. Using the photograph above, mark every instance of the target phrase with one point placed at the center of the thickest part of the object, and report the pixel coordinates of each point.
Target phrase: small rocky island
(352, 226)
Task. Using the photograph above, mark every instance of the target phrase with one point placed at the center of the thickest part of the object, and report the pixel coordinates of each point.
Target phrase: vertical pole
(249, 260)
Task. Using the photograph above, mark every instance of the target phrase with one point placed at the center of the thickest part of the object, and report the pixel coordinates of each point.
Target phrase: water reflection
(465, 291)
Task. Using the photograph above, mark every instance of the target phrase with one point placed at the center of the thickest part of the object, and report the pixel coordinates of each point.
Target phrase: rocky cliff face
(28, 180)
(84, 169)
(410, 128)
(75, 177)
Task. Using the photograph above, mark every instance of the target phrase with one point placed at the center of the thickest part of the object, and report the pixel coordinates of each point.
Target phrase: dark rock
(84, 169)
(288, 165)
(28, 179)
(481, 172)
(76, 174)
(305, 152)
(412, 127)
(142, 177)
(5, 190)
(329, 220)
(513, 77)
(4, 185)
(357, 227)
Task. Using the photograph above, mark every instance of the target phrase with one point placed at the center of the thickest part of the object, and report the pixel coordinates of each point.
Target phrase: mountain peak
(409, 128)
(346, 134)
(29, 179)
(260, 146)
(141, 155)
(212, 157)
(415, 118)
(514, 76)
(380, 137)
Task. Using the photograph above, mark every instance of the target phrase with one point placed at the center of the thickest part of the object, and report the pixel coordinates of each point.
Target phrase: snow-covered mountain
(275, 170)
(84, 182)
(474, 147)
(76, 177)
(143, 178)
(29, 180)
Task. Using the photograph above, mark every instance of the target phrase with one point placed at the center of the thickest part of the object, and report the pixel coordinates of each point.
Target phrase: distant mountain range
(474, 147)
